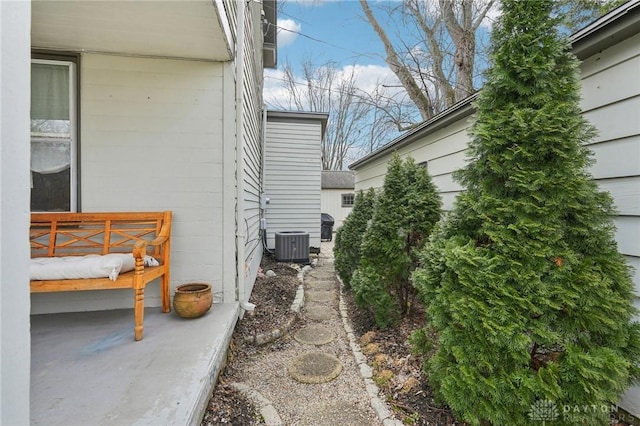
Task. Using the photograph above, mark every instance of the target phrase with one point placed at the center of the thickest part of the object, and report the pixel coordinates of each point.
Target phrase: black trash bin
(326, 228)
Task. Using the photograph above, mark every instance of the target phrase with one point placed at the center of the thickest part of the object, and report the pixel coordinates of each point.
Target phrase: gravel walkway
(351, 398)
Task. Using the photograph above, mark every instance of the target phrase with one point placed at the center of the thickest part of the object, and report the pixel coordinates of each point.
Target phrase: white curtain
(50, 156)
(49, 92)
(50, 120)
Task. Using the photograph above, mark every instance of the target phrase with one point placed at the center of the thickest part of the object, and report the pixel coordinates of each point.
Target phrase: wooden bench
(79, 234)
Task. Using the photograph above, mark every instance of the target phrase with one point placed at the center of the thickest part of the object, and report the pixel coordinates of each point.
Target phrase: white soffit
(166, 28)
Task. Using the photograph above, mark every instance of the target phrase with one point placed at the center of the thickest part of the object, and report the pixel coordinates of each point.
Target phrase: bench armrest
(140, 247)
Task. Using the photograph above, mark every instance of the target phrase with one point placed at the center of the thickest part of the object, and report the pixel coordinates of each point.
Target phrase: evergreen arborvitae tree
(404, 214)
(346, 247)
(524, 284)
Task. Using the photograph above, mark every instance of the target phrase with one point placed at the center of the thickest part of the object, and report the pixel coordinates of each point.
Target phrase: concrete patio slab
(86, 368)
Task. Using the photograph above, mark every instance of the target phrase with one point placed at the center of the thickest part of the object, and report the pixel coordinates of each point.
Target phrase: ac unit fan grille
(292, 246)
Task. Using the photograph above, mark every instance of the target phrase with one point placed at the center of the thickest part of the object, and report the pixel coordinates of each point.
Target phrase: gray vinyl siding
(292, 178)
(252, 146)
(611, 102)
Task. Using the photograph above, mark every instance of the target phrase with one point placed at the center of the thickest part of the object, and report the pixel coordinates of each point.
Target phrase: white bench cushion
(90, 266)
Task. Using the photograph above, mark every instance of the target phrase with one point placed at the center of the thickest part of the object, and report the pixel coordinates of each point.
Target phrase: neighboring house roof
(602, 33)
(333, 179)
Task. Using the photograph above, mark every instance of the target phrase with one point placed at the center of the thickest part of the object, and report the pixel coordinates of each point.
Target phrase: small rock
(270, 273)
(366, 371)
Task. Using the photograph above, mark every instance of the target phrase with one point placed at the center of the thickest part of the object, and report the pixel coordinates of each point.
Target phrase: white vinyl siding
(152, 140)
(292, 178)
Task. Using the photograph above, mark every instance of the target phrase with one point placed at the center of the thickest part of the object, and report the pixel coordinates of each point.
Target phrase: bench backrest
(78, 234)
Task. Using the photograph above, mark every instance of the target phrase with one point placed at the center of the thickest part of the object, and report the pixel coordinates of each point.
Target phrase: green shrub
(403, 216)
(348, 240)
(530, 298)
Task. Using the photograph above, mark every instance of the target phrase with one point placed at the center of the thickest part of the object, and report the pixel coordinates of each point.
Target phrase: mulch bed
(228, 406)
(272, 296)
(397, 372)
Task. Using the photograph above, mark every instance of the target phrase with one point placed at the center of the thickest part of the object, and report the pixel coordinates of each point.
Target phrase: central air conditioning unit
(292, 246)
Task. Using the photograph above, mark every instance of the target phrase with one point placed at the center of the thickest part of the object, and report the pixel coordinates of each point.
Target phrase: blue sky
(338, 29)
(323, 31)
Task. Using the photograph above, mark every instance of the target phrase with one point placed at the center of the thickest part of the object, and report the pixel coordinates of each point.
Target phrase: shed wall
(331, 203)
(292, 179)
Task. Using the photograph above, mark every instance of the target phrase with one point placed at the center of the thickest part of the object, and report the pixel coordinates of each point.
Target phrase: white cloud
(368, 79)
(285, 38)
(274, 94)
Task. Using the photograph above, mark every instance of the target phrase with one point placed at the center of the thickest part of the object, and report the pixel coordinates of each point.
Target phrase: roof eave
(323, 117)
(607, 30)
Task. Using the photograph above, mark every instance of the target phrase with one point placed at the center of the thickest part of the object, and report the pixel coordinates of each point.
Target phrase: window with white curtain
(53, 135)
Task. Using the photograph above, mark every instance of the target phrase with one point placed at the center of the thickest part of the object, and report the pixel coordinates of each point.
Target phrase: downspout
(263, 211)
(240, 237)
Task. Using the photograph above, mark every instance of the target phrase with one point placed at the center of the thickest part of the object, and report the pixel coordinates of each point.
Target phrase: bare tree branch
(447, 31)
(401, 71)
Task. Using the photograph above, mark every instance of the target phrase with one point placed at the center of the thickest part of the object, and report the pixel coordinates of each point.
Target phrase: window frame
(349, 196)
(73, 62)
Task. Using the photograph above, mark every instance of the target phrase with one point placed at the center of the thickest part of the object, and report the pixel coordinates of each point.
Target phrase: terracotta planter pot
(192, 300)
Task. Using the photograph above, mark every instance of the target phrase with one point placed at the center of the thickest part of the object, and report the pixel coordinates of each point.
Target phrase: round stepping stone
(320, 312)
(320, 296)
(315, 367)
(315, 335)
